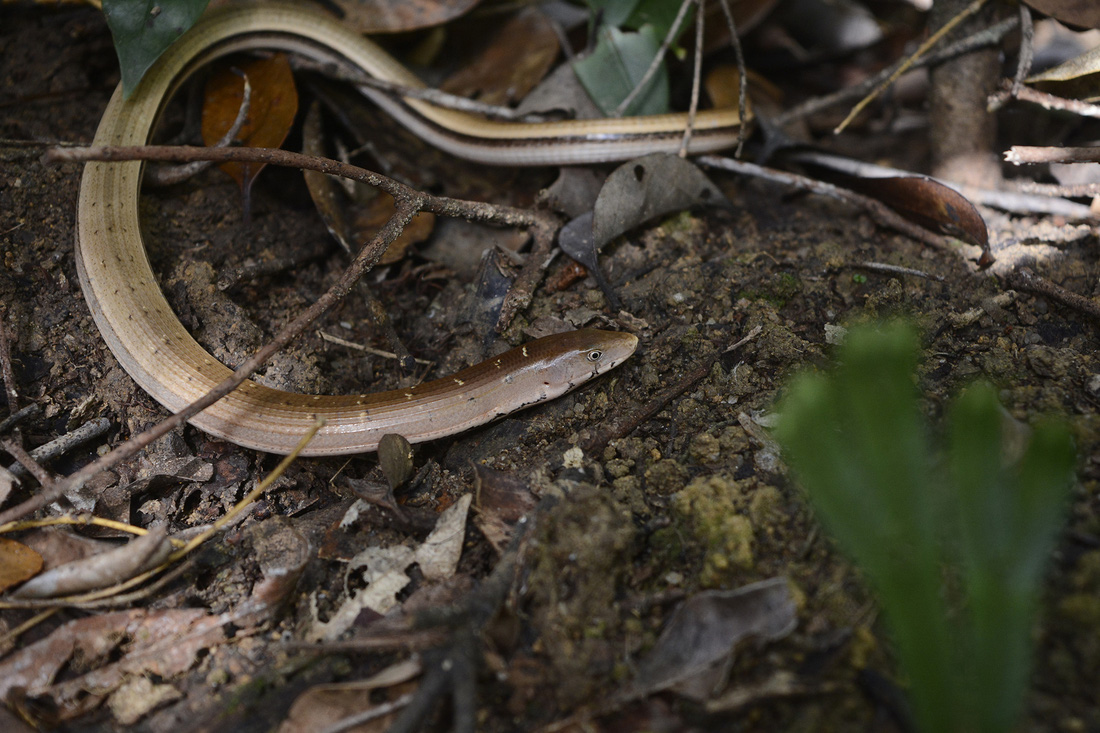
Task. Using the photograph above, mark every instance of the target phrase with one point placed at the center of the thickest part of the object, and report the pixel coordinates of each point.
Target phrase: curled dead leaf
(273, 106)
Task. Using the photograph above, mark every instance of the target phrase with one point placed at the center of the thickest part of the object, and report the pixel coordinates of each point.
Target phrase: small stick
(367, 349)
(897, 270)
(987, 37)
(657, 59)
(928, 43)
(26, 463)
(1025, 279)
(696, 80)
(1027, 50)
(878, 211)
(59, 446)
(1047, 101)
(743, 91)
(1030, 154)
(5, 366)
(11, 420)
(624, 427)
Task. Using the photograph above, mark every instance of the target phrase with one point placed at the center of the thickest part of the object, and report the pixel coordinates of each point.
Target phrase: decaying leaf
(273, 107)
(643, 189)
(1078, 66)
(1081, 13)
(502, 499)
(930, 204)
(322, 706)
(693, 654)
(354, 212)
(635, 192)
(17, 563)
(162, 643)
(100, 570)
(384, 16)
(516, 59)
(384, 571)
(438, 556)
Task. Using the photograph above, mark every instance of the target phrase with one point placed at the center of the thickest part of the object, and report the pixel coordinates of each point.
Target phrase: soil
(637, 525)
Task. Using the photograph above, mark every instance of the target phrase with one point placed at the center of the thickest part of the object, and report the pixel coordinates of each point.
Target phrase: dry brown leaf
(17, 563)
(162, 643)
(386, 16)
(511, 64)
(101, 570)
(1081, 13)
(271, 112)
(321, 706)
(354, 212)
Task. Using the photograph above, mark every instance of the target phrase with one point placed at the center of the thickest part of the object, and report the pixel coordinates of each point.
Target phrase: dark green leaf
(143, 29)
(619, 61)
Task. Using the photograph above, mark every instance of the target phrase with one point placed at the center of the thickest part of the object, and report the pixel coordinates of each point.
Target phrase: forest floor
(693, 498)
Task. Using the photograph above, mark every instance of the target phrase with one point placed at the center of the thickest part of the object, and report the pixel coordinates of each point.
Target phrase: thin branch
(61, 445)
(1032, 154)
(932, 40)
(1046, 101)
(15, 418)
(434, 96)
(742, 76)
(1025, 279)
(988, 37)
(169, 175)
(626, 424)
(696, 80)
(1027, 50)
(658, 59)
(875, 209)
(25, 462)
(5, 366)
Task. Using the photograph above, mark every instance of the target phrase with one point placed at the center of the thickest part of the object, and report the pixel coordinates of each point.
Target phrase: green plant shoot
(954, 546)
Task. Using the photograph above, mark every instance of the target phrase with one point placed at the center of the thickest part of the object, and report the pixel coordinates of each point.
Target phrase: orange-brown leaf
(17, 563)
(273, 106)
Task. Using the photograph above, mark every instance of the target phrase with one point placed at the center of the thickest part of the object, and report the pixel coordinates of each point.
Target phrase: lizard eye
(595, 355)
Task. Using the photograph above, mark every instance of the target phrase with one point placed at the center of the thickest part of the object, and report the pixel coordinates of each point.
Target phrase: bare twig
(1046, 101)
(696, 80)
(623, 427)
(1030, 154)
(742, 75)
(169, 175)
(371, 713)
(947, 27)
(1025, 279)
(897, 270)
(875, 209)
(1027, 50)
(5, 366)
(366, 349)
(988, 37)
(15, 418)
(26, 463)
(1057, 190)
(673, 30)
(1006, 200)
(59, 446)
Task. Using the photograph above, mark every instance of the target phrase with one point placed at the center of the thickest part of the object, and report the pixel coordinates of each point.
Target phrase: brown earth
(689, 500)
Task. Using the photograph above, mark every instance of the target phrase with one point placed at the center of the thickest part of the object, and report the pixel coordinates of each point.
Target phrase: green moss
(708, 509)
